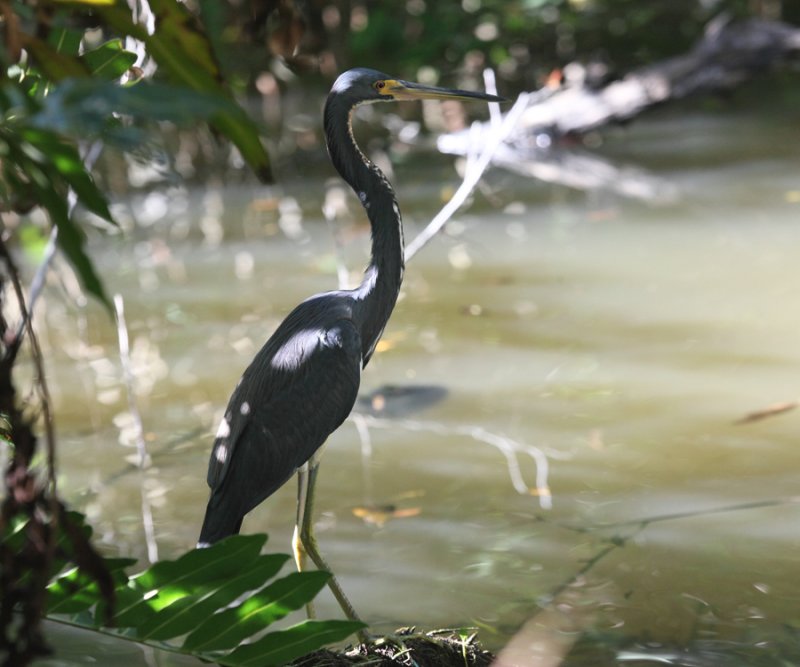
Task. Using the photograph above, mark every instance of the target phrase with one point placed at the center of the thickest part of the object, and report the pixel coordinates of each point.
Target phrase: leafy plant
(207, 603)
(57, 98)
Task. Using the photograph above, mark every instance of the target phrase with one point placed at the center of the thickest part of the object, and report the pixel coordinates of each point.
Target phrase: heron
(303, 383)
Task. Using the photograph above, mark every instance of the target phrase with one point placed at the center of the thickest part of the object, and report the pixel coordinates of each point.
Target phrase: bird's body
(303, 383)
(298, 389)
(310, 371)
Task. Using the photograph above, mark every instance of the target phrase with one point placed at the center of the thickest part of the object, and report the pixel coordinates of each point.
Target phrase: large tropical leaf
(182, 49)
(230, 627)
(220, 599)
(180, 618)
(75, 591)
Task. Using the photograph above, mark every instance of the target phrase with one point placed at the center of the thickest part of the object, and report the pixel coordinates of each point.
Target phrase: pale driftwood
(728, 54)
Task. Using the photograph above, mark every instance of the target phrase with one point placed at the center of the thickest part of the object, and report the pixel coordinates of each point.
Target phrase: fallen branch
(729, 54)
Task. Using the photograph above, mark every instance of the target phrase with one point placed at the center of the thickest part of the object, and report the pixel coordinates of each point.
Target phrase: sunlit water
(619, 341)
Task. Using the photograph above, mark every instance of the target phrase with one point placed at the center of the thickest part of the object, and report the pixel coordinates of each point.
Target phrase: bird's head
(362, 85)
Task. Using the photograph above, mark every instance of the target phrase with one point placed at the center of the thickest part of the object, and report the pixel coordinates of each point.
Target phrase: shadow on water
(611, 344)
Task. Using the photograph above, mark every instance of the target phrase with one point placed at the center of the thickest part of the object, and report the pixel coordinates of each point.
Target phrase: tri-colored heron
(303, 383)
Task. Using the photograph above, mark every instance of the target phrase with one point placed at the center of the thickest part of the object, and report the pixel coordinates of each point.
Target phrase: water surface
(617, 340)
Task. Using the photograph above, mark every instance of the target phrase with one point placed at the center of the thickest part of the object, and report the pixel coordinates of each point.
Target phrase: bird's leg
(307, 543)
(302, 491)
(298, 548)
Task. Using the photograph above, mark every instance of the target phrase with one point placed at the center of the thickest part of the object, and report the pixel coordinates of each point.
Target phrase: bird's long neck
(376, 296)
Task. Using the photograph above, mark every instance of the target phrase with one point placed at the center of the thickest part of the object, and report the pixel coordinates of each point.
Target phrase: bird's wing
(299, 388)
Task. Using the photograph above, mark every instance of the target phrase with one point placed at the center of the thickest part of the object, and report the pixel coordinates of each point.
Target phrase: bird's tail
(217, 524)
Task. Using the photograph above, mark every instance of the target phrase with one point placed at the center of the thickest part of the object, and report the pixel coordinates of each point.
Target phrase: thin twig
(44, 398)
(770, 411)
(366, 453)
(38, 361)
(342, 274)
(507, 446)
(141, 446)
(588, 565)
(489, 83)
(641, 524)
(39, 277)
(494, 140)
(476, 163)
(674, 516)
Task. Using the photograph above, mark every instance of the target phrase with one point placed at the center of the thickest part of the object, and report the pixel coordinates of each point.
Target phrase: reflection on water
(603, 349)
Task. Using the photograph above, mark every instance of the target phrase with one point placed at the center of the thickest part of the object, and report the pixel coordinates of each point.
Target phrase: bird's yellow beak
(406, 90)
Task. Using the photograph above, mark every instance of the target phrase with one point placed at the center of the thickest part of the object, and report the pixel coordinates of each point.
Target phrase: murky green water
(617, 341)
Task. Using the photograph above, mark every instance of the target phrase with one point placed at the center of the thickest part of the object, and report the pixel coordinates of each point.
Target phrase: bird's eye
(379, 85)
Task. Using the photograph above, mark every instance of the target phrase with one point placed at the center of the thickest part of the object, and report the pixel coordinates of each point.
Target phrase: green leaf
(158, 101)
(168, 581)
(69, 165)
(76, 591)
(220, 560)
(186, 614)
(65, 40)
(178, 27)
(243, 133)
(109, 61)
(278, 648)
(212, 12)
(33, 242)
(129, 610)
(71, 593)
(72, 242)
(206, 581)
(84, 106)
(168, 44)
(55, 65)
(228, 628)
(42, 164)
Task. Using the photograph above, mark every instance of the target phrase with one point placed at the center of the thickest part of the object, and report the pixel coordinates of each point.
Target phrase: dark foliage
(37, 535)
(439, 648)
